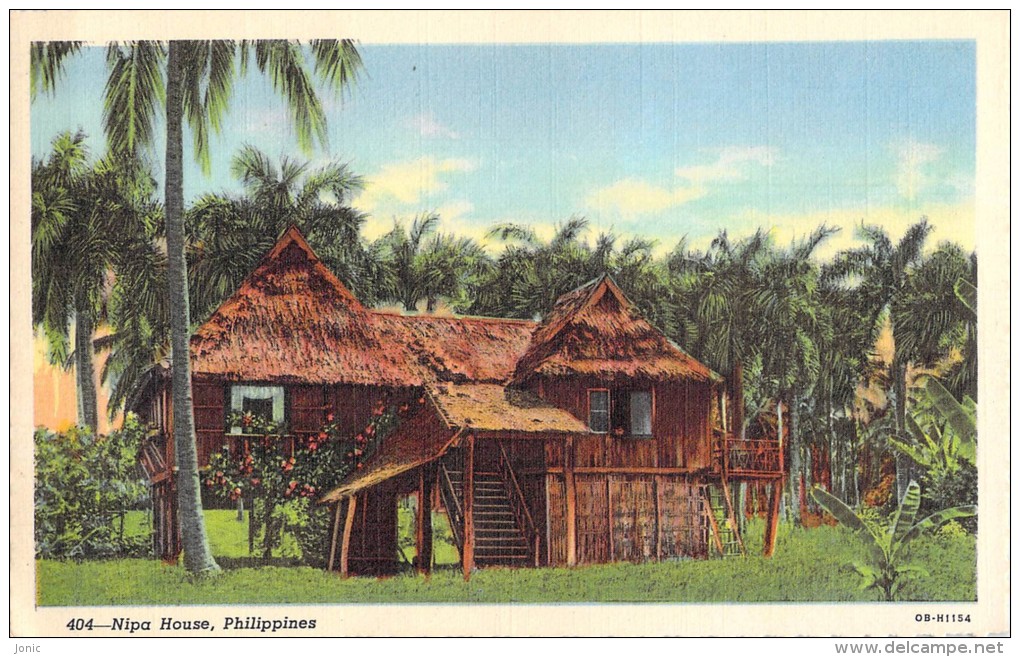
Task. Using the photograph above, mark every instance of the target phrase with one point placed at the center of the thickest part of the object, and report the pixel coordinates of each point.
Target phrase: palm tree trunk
(900, 409)
(85, 373)
(197, 555)
(796, 462)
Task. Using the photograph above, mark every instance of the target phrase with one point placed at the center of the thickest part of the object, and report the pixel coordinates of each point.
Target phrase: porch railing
(746, 457)
(451, 500)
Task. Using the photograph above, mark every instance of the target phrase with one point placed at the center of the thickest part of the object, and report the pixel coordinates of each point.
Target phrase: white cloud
(428, 126)
(912, 160)
(632, 197)
(403, 186)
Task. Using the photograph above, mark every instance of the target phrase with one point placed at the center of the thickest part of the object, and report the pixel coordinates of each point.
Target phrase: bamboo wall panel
(684, 519)
(556, 521)
(373, 545)
(633, 514)
(592, 519)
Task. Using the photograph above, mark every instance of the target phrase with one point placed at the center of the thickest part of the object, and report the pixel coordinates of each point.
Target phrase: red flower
(359, 438)
(359, 466)
(358, 452)
(287, 493)
(312, 446)
(421, 400)
(329, 418)
(370, 430)
(247, 419)
(255, 481)
(293, 484)
(322, 435)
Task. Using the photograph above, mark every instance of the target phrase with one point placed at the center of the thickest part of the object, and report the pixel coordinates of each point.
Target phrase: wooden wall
(628, 518)
(373, 543)
(307, 407)
(681, 427)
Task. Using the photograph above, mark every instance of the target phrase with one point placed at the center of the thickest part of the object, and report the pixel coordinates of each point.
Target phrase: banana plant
(886, 570)
(944, 430)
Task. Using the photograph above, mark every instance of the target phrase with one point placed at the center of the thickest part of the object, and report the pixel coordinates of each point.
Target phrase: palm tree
(199, 79)
(228, 235)
(83, 216)
(882, 271)
(402, 253)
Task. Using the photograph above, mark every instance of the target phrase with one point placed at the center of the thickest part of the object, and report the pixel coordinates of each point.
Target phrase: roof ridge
(454, 318)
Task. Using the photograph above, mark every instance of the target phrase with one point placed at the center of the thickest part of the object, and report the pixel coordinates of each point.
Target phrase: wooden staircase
(499, 540)
(725, 537)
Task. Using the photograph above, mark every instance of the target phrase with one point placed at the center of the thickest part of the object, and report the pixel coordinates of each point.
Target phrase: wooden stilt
(345, 546)
(336, 537)
(657, 486)
(772, 522)
(571, 494)
(468, 552)
(424, 520)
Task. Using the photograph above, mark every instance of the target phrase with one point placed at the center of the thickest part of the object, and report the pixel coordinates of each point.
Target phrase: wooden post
(657, 487)
(571, 491)
(609, 519)
(345, 546)
(424, 520)
(468, 553)
(772, 522)
(336, 537)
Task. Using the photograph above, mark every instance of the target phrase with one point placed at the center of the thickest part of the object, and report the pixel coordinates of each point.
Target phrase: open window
(259, 406)
(621, 412)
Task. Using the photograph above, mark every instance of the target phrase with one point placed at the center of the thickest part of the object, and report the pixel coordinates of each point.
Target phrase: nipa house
(586, 437)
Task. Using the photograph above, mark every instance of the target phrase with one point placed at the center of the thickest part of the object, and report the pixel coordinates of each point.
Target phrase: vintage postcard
(523, 324)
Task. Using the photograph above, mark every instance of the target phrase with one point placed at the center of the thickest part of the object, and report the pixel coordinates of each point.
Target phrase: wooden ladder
(725, 536)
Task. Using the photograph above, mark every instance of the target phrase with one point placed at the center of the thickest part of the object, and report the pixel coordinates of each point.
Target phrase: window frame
(607, 411)
(277, 393)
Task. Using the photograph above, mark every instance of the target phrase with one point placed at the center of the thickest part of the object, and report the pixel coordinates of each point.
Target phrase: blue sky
(657, 140)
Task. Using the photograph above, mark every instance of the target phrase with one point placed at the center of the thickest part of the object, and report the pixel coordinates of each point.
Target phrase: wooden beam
(468, 551)
(332, 544)
(772, 522)
(345, 546)
(571, 494)
(426, 475)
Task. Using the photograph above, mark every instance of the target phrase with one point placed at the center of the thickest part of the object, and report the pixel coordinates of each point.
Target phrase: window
(640, 413)
(598, 410)
(264, 402)
(620, 412)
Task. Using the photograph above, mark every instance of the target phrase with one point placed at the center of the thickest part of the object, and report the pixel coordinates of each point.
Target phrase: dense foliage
(84, 486)
(280, 480)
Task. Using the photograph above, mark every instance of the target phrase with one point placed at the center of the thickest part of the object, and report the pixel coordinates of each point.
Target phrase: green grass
(809, 565)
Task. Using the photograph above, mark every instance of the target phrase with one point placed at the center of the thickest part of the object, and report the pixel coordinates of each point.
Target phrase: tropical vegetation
(114, 269)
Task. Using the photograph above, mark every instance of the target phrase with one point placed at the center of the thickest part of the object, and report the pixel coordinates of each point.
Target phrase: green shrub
(84, 486)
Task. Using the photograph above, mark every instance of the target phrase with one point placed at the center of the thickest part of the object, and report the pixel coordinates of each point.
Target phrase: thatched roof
(292, 320)
(493, 407)
(596, 331)
(417, 441)
(463, 349)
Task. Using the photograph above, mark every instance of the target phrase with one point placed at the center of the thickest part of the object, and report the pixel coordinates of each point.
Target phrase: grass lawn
(809, 565)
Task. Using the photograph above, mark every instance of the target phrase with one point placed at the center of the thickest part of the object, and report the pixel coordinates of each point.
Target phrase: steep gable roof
(293, 320)
(595, 330)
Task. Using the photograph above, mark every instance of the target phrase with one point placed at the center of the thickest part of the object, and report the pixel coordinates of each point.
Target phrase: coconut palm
(199, 78)
(229, 234)
(83, 217)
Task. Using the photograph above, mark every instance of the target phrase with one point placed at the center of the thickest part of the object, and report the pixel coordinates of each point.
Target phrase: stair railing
(518, 503)
(452, 503)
